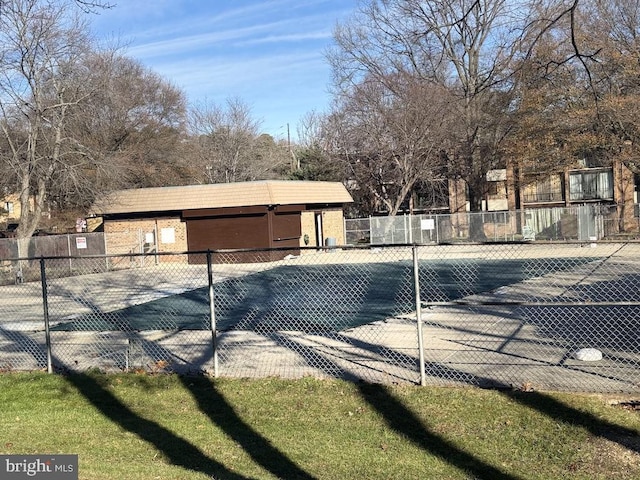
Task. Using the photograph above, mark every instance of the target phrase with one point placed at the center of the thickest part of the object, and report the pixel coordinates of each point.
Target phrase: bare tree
(467, 47)
(77, 121)
(132, 127)
(583, 107)
(41, 52)
(313, 160)
(389, 137)
(612, 29)
(309, 129)
(472, 48)
(93, 6)
(551, 104)
(228, 146)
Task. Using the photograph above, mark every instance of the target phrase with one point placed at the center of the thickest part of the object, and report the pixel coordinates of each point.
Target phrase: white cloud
(268, 53)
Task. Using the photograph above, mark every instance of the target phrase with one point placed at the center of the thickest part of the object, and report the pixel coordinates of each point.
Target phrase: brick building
(263, 214)
(614, 187)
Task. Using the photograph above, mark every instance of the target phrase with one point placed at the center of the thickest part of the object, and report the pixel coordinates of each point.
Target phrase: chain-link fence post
(45, 306)
(416, 280)
(212, 314)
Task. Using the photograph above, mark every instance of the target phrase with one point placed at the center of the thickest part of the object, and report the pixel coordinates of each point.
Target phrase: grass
(170, 427)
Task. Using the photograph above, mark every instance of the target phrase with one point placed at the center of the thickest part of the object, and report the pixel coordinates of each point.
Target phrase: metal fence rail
(508, 315)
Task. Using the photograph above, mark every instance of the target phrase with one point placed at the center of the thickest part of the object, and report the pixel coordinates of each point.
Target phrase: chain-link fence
(87, 245)
(552, 316)
(577, 223)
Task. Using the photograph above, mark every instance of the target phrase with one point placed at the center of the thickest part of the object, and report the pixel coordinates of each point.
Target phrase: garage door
(227, 232)
(287, 230)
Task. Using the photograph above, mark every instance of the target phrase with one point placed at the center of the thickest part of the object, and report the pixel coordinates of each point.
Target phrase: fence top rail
(389, 246)
(212, 252)
(541, 303)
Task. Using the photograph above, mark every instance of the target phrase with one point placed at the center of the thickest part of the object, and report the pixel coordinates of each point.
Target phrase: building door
(587, 225)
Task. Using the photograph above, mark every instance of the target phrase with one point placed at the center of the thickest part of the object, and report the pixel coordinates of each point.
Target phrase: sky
(270, 53)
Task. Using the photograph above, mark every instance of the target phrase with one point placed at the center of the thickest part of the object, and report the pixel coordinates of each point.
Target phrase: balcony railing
(543, 197)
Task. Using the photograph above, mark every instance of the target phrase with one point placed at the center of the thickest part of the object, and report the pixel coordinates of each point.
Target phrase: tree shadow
(557, 410)
(177, 450)
(406, 423)
(213, 404)
(401, 419)
(18, 342)
(549, 335)
(397, 416)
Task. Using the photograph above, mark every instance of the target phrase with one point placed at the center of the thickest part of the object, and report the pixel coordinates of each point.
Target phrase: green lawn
(131, 426)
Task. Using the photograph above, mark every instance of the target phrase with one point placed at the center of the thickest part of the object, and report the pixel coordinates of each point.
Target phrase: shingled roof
(220, 195)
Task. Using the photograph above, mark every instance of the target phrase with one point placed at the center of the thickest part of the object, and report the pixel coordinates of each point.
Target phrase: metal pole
(106, 258)
(156, 242)
(212, 313)
(406, 233)
(505, 225)
(416, 280)
(344, 229)
(45, 306)
(69, 252)
(410, 223)
(495, 227)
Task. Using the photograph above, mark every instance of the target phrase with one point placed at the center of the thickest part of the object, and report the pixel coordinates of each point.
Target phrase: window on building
(497, 184)
(496, 189)
(588, 185)
(545, 190)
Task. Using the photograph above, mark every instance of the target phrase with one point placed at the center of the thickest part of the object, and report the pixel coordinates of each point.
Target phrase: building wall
(332, 226)
(457, 196)
(308, 223)
(14, 202)
(147, 236)
(532, 196)
(172, 236)
(623, 196)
